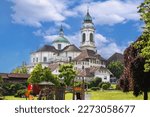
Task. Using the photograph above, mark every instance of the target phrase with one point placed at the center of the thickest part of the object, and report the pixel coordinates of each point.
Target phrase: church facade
(88, 63)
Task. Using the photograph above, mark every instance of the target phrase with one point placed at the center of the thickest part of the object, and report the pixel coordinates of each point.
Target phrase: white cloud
(50, 38)
(130, 42)
(111, 12)
(110, 48)
(107, 47)
(75, 38)
(51, 30)
(45, 32)
(34, 12)
(101, 38)
(139, 26)
(58, 24)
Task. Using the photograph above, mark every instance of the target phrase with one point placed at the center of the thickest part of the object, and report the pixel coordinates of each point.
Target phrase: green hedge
(104, 85)
(95, 88)
(20, 93)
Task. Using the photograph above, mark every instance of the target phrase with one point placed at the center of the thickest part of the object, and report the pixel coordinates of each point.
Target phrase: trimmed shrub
(12, 88)
(118, 87)
(20, 93)
(105, 86)
(95, 88)
(100, 85)
(95, 82)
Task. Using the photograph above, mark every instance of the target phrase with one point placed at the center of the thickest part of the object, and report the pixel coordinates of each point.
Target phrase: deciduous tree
(116, 68)
(20, 70)
(49, 77)
(136, 75)
(36, 74)
(40, 74)
(67, 73)
(144, 44)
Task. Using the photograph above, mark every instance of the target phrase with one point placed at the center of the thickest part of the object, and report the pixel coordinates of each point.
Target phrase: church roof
(101, 68)
(53, 66)
(100, 57)
(85, 54)
(85, 73)
(89, 72)
(72, 48)
(116, 57)
(46, 48)
(88, 18)
(61, 37)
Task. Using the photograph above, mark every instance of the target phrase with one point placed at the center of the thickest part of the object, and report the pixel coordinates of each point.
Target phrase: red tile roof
(53, 66)
(86, 54)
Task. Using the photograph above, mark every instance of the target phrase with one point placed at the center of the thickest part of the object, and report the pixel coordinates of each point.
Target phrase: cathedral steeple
(61, 31)
(87, 32)
(88, 18)
(61, 41)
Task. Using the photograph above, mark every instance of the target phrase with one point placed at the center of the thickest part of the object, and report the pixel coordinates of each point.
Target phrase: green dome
(88, 17)
(61, 39)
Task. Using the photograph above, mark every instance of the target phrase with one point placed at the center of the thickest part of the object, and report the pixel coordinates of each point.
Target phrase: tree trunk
(145, 94)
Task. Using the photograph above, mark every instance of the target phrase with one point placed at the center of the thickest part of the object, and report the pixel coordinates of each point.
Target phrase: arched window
(44, 59)
(91, 37)
(33, 60)
(70, 58)
(83, 38)
(59, 46)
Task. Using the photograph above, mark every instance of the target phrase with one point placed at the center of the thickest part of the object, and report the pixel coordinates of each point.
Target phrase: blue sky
(26, 25)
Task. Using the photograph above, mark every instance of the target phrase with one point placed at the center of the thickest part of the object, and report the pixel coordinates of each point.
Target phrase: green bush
(1, 94)
(118, 87)
(95, 82)
(105, 85)
(95, 88)
(20, 93)
(12, 88)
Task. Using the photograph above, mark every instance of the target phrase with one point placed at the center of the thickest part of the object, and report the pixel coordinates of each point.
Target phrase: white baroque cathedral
(86, 60)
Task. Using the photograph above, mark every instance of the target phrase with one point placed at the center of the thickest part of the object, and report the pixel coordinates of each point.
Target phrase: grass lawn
(13, 98)
(16, 98)
(68, 96)
(114, 95)
(109, 95)
(97, 95)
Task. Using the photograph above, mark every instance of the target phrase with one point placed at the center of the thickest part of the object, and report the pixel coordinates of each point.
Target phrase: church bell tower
(87, 33)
